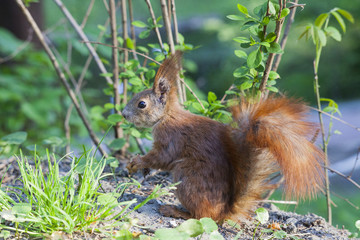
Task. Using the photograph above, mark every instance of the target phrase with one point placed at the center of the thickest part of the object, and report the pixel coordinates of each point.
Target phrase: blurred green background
(33, 100)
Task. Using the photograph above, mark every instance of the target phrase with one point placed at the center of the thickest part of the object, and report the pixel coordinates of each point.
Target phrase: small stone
(173, 223)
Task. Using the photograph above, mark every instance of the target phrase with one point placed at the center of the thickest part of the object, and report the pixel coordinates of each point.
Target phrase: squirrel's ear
(166, 76)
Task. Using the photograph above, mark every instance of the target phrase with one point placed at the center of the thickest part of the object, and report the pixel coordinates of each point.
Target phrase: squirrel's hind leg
(174, 212)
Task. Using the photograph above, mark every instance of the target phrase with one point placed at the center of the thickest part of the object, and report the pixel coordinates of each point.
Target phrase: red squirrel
(224, 171)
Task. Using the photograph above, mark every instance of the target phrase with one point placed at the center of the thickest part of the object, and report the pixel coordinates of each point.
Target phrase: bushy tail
(278, 126)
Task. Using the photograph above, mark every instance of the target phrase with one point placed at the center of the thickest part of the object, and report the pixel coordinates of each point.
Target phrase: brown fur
(223, 170)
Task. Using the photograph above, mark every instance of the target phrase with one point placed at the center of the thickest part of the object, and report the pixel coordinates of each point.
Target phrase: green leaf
(340, 20)
(216, 236)
(240, 53)
(16, 138)
(280, 234)
(273, 75)
(321, 35)
(108, 106)
(211, 97)
(144, 34)
(129, 43)
(241, 71)
(117, 143)
(270, 37)
(241, 40)
(248, 25)
(346, 15)
(135, 81)
(107, 199)
(150, 74)
(265, 20)
(192, 227)
(265, 44)
(272, 89)
(53, 140)
(284, 12)
(272, 9)
(139, 24)
(246, 85)
(142, 49)
(320, 20)
(334, 33)
(235, 17)
(209, 225)
(254, 58)
(171, 233)
(120, 40)
(135, 133)
(243, 9)
(262, 215)
(274, 48)
(21, 208)
(114, 118)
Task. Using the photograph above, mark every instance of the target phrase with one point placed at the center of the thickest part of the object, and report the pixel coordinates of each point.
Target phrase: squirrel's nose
(125, 114)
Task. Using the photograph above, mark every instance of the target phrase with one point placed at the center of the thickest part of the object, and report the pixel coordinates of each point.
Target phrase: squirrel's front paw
(134, 164)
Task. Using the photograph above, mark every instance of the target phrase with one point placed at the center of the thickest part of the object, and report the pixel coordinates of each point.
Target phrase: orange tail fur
(275, 131)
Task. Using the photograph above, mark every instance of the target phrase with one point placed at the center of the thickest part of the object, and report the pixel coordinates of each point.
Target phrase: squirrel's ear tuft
(169, 69)
(166, 76)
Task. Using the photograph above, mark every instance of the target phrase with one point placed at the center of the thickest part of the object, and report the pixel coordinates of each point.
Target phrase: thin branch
(132, 28)
(19, 49)
(279, 201)
(167, 24)
(344, 176)
(82, 35)
(327, 181)
(156, 29)
(269, 62)
(125, 49)
(336, 118)
(125, 36)
(346, 200)
(356, 160)
(118, 129)
(283, 41)
(87, 14)
(60, 74)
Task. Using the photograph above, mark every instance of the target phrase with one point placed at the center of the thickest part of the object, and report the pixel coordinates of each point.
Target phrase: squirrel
(224, 170)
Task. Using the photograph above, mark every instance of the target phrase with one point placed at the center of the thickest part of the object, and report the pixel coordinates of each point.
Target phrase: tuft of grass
(48, 203)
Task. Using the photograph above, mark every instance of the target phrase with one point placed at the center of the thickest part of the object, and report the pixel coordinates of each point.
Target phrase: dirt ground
(308, 226)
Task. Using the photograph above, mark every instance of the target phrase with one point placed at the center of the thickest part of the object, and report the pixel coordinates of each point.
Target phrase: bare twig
(118, 129)
(132, 29)
(60, 74)
(87, 14)
(283, 41)
(82, 35)
(19, 49)
(167, 24)
(356, 160)
(269, 62)
(125, 36)
(327, 182)
(336, 118)
(279, 201)
(170, 39)
(156, 29)
(346, 200)
(344, 176)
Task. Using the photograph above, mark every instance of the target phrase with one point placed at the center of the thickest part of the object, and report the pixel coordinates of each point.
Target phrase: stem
(125, 36)
(285, 36)
(154, 23)
(112, 8)
(60, 74)
(269, 62)
(167, 22)
(317, 93)
(82, 35)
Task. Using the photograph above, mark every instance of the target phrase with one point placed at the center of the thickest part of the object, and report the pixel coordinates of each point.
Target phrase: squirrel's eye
(142, 104)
